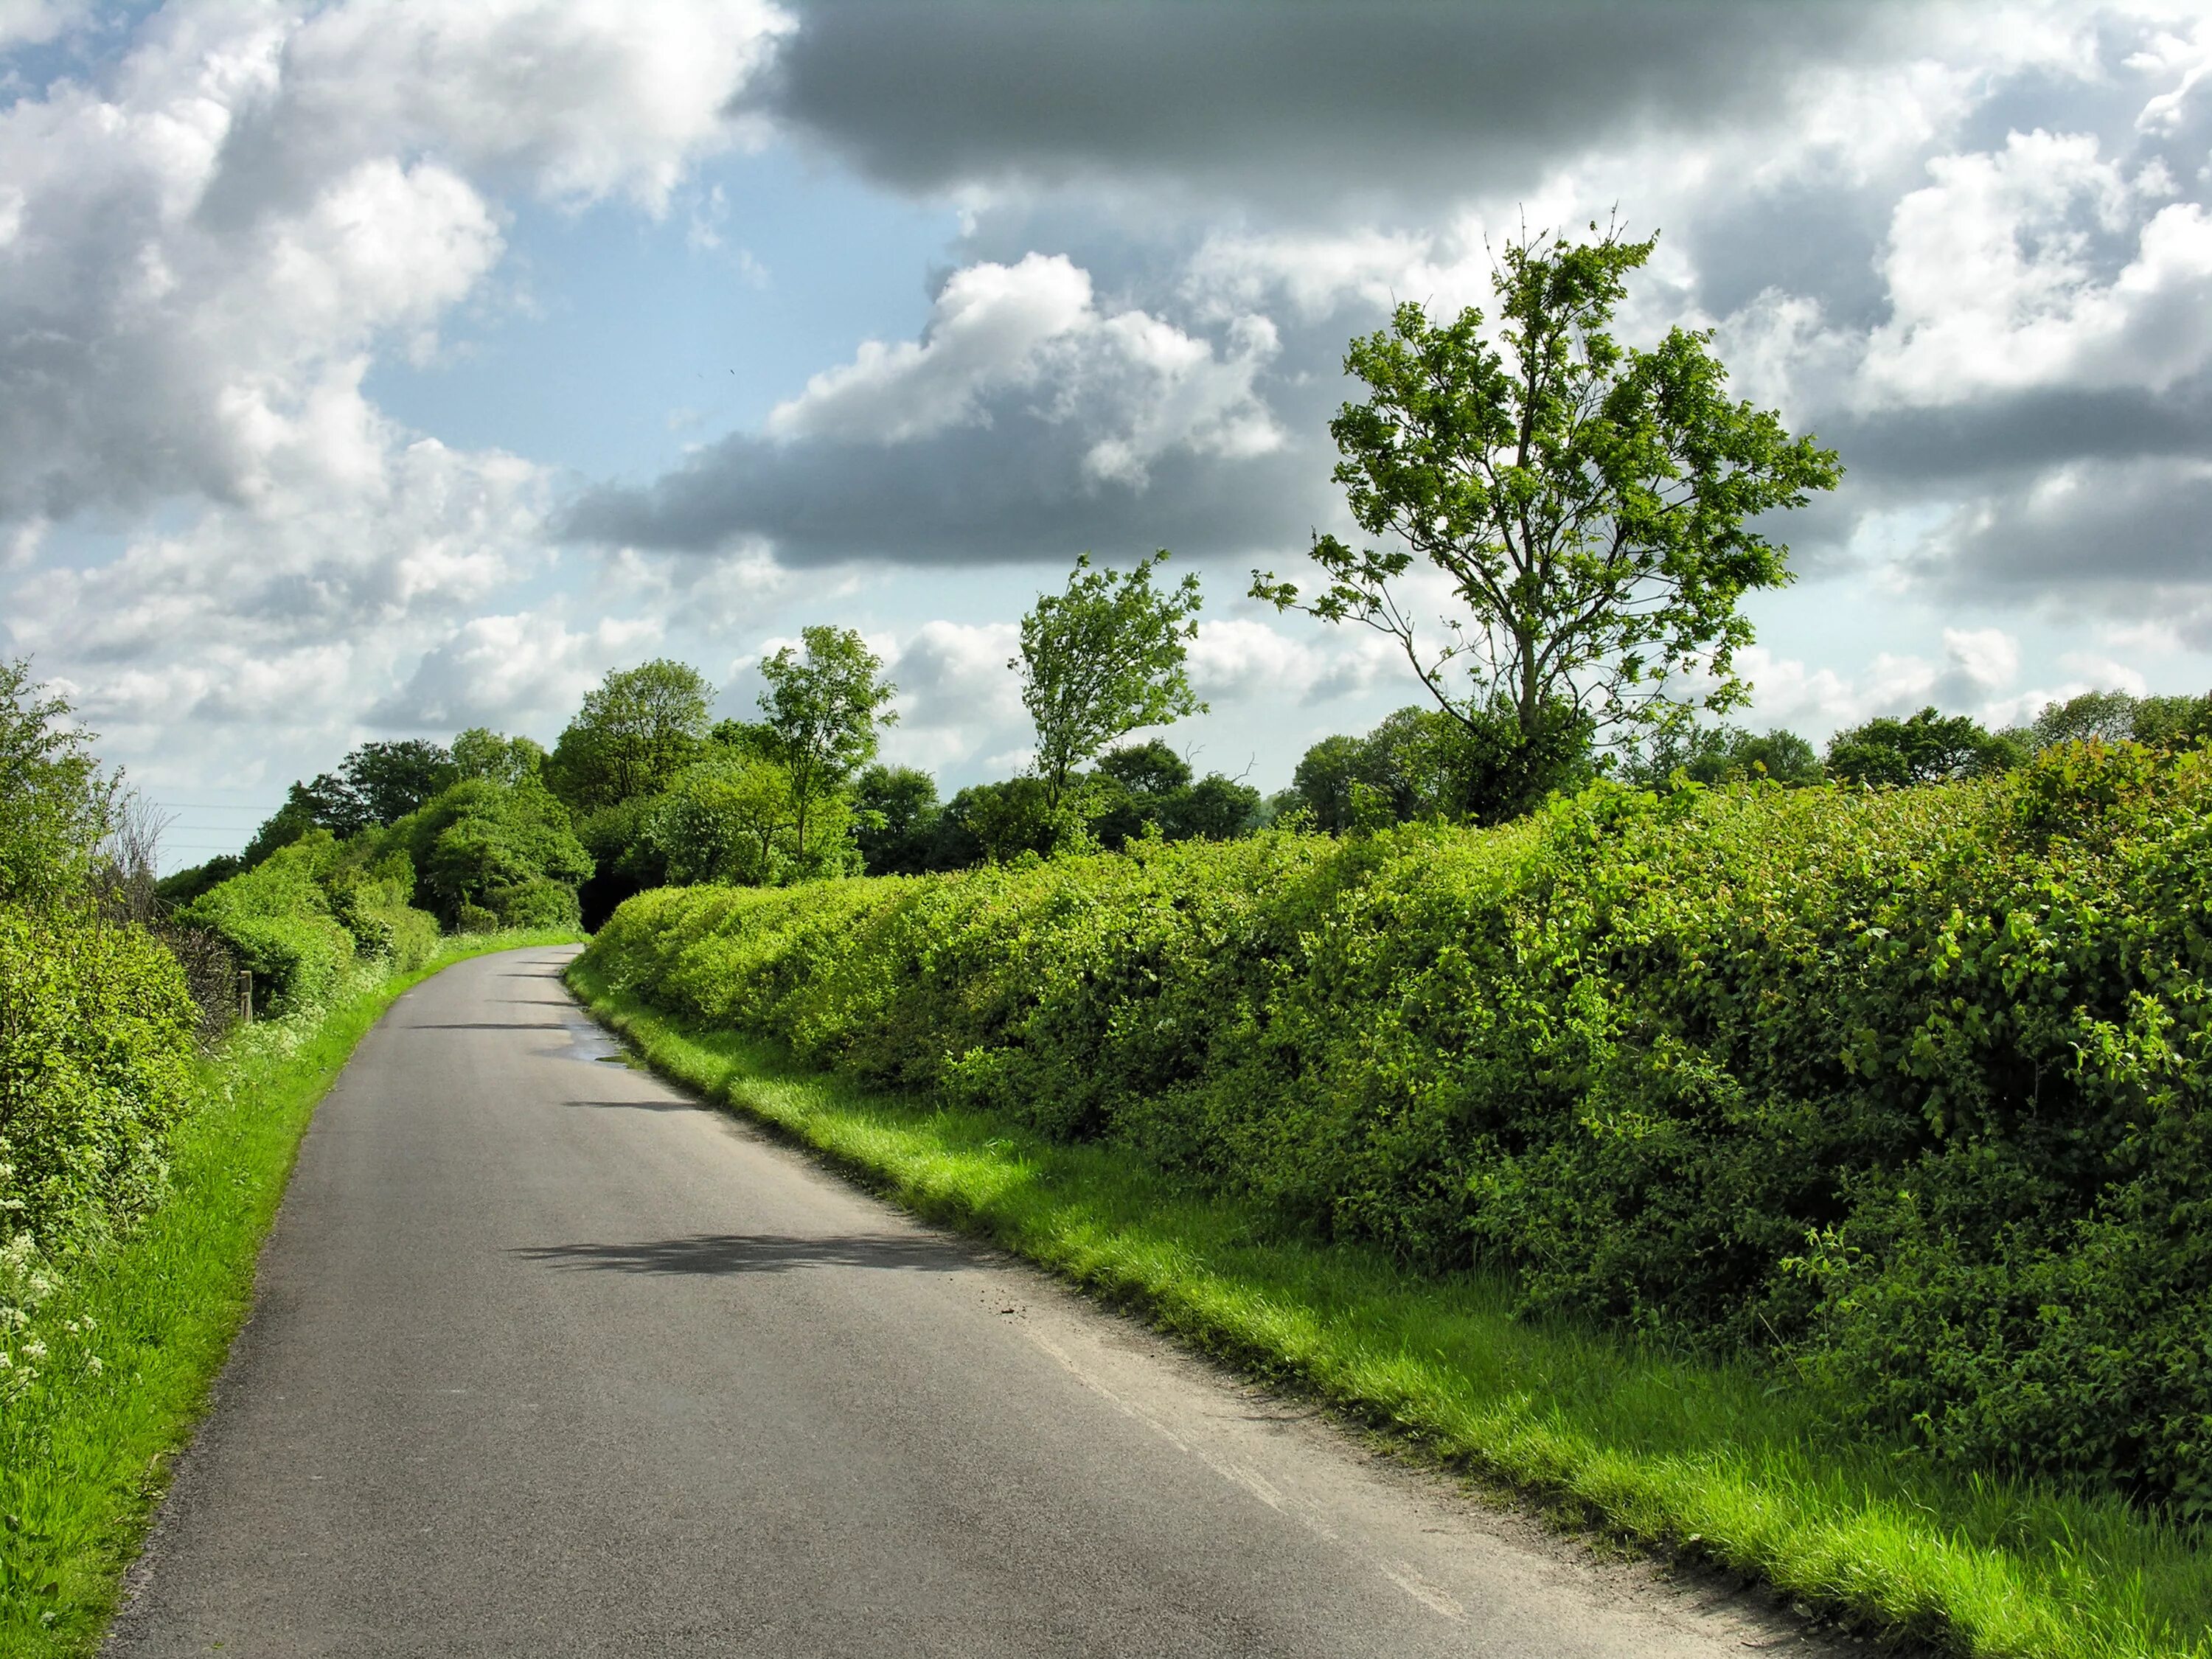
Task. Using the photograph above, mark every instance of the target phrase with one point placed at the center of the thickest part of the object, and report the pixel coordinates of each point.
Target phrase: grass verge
(136, 1332)
(1693, 1458)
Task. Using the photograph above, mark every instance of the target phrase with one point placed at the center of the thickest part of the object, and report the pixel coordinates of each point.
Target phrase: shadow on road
(663, 1104)
(755, 1253)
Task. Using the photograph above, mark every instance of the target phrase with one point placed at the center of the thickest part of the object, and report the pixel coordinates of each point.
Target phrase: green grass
(1719, 1464)
(84, 1453)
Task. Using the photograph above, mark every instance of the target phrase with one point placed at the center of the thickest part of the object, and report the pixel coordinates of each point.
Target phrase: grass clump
(1680, 1450)
(116, 1352)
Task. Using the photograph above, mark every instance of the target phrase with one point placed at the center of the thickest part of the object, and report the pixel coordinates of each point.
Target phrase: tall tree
(1589, 506)
(56, 804)
(1103, 658)
(391, 780)
(480, 752)
(1929, 747)
(637, 729)
(823, 704)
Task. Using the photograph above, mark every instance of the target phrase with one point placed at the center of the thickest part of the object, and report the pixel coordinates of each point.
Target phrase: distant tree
(997, 823)
(56, 804)
(897, 810)
(637, 729)
(1101, 659)
(824, 704)
(1146, 769)
(1928, 748)
(1324, 779)
(1726, 754)
(479, 752)
(1424, 763)
(2103, 716)
(728, 820)
(1590, 507)
(1213, 808)
(2173, 722)
(1141, 788)
(391, 780)
(506, 849)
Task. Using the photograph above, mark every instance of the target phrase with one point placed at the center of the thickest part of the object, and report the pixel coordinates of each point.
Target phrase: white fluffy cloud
(1994, 278)
(1034, 328)
(203, 250)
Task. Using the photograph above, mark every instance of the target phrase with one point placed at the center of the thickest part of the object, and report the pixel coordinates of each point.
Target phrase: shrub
(1906, 1086)
(278, 919)
(96, 1047)
(483, 836)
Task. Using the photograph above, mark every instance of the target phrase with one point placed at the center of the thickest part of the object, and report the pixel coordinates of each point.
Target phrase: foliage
(823, 705)
(1421, 763)
(998, 822)
(1101, 659)
(1711, 755)
(721, 821)
(277, 918)
(496, 848)
(897, 811)
(480, 752)
(1867, 1080)
(1147, 788)
(2121, 717)
(637, 729)
(1591, 507)
(1928, 748)
(96, 1046)
(55, 805)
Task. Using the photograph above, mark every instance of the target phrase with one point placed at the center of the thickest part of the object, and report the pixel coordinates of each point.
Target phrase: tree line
(1595, 513)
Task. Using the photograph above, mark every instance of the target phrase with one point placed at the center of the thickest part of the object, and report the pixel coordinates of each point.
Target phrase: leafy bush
(96, 1046)
(1907, 1087)
(483, 842)
(279, 921)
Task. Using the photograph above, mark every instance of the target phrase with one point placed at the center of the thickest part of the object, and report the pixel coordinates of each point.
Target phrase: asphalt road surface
(547, 1360)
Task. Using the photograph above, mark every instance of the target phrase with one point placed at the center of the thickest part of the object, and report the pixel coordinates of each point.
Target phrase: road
(548, 1359)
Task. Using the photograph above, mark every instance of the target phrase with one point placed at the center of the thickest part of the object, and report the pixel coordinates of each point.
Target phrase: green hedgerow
(1906, 1086)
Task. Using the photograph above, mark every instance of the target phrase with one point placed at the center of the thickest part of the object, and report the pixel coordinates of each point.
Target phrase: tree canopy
(822, 706)
(1591, 507)
(1929, 747)
(637, 729)
(1103, 658)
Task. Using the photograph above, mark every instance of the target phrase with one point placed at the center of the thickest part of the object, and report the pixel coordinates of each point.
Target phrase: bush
(96, 1047)
(481, 837)
(533, 904)
(279, 921)
(1908, 1086)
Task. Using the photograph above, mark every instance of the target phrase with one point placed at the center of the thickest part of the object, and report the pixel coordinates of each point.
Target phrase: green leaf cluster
(1907, 1089)
(96, 1051)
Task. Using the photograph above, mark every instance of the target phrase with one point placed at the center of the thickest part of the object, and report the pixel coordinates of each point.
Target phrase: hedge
(1904, 1088)
(97, 1041)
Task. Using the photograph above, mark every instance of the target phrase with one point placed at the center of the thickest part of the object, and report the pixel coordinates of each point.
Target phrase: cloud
(206, 242)
(522, 671)
(1027, 420)
(200, 248)
(1242, 659)
(1994, 280)
(1296, 105)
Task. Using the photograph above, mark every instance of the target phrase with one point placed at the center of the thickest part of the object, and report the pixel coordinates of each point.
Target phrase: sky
(371, 371)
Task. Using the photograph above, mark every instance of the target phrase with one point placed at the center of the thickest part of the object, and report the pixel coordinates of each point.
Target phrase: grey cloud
(1009, 489)
(1289, 101)
(2020, 434)
(2117, 534)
